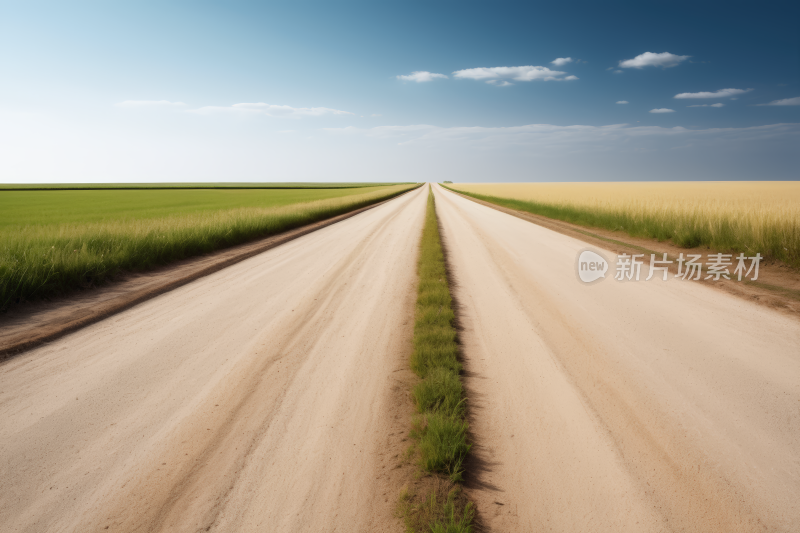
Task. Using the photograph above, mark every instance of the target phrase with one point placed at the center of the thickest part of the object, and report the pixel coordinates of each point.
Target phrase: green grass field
(22, 208)
(178, 185)
(54, 241)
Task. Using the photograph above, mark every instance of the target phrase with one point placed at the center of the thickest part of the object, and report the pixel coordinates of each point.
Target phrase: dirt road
(249, 400)
(640, 406)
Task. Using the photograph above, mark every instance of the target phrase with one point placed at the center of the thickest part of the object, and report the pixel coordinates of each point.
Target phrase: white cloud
(498, 83)
(650, 59)
(149, 103)
(570, 78)
(271, 110)
(561, 61)
(707, 105)
(662, 110)
(420, 76)
(722, 93)
(785, 101)
(526, 73)
(622, 102)
(617, 71)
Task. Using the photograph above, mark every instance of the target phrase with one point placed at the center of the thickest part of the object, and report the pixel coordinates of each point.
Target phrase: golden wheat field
(738, 216)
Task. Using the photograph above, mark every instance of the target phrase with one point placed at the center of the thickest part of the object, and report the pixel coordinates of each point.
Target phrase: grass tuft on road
(440, 426)
(444, 509)
(440, 391)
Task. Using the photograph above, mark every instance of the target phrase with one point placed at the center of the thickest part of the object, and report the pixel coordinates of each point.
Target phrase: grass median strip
(439, 427)
(52, 242)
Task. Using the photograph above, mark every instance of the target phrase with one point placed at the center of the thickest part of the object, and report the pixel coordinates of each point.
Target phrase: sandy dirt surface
(253, 399)
(637, 406)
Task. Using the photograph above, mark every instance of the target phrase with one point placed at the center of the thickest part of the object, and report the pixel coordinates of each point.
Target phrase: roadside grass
(52, 242)
(746, 217)
(439, 429)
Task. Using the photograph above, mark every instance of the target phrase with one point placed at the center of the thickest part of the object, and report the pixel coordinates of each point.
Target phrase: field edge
(21, 332)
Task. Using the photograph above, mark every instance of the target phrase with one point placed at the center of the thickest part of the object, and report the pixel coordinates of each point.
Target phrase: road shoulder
(36, 323)
(777, 287)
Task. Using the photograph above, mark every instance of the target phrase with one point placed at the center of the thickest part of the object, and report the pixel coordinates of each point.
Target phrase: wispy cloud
(707, 105)
(271, 110)
(650, 59)
(548, 136)
(622, 101)
(499, 83)
(561, 61)
(525, 73)
(421, 76)
(662, 110)
(38, 146)
(722, 93)
(149, 103)
(785, 101)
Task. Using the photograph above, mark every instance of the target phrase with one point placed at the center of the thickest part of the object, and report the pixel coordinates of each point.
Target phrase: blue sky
(256, 91)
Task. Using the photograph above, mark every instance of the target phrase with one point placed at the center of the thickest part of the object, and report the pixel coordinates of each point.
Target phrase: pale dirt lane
(249, 400)
(658, 406)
